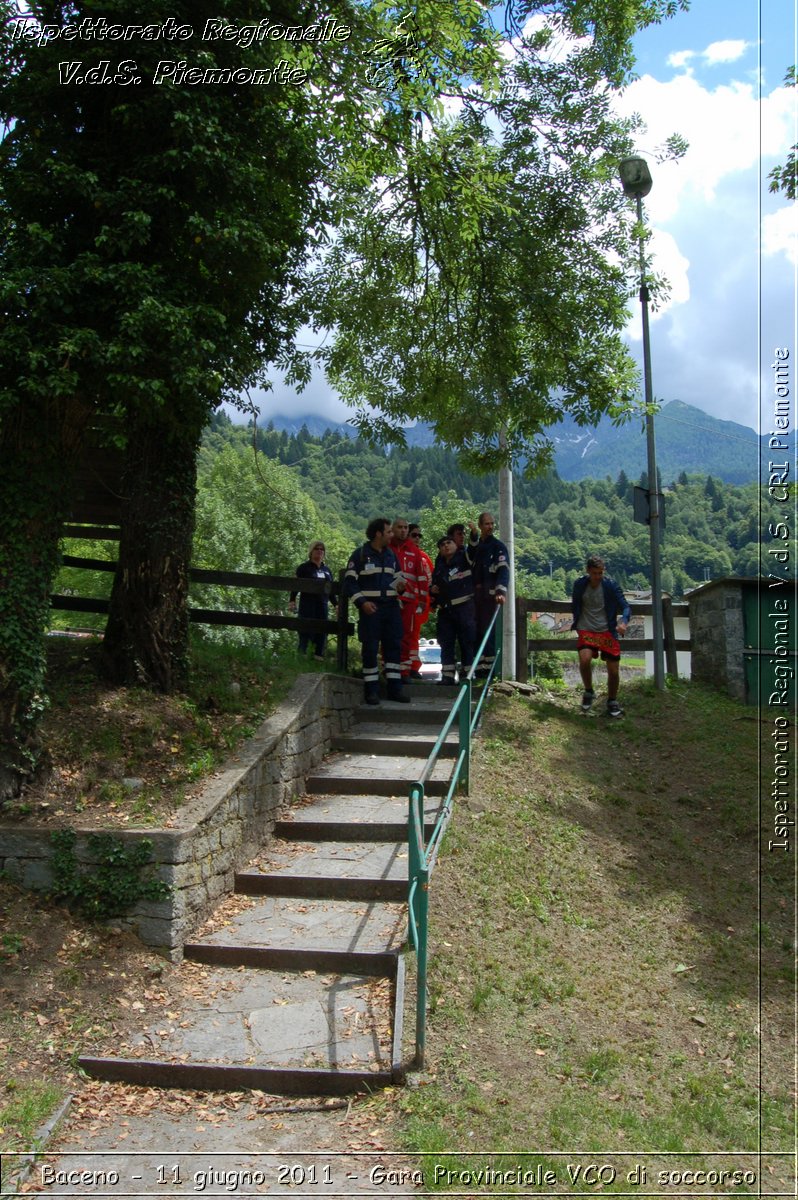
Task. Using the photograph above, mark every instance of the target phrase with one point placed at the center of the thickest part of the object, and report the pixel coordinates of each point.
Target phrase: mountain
(687, 439)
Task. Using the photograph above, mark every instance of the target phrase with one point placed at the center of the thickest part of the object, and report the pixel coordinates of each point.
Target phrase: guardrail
(421, 857)
(524, 644)
(341, 627)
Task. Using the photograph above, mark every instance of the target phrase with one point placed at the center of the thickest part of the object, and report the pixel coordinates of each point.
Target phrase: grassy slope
(597, 950)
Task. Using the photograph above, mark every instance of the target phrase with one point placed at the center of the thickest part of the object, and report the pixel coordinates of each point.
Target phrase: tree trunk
(146, 638)
(36, 457)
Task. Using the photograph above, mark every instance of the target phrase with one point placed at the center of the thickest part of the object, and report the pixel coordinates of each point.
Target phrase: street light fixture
(636, 181)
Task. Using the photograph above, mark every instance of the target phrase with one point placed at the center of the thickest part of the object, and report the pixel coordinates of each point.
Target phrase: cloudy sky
(715, 75)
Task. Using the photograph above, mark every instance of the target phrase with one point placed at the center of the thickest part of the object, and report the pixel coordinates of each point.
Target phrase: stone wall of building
(217, 833)
(717, 636)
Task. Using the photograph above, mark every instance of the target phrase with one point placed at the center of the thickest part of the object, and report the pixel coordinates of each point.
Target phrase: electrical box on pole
(642, 509)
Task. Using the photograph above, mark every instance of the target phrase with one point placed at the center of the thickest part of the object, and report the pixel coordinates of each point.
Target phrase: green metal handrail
(421, 857)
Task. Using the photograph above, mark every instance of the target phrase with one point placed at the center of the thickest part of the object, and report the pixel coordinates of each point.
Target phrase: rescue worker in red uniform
(421, 617)
(416, 589)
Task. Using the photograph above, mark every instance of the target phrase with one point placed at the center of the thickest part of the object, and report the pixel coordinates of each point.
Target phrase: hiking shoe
(587, 701)
(399, 697)
(614, 709)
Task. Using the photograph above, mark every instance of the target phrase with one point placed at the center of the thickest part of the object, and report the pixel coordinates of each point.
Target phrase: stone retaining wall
(223, 828)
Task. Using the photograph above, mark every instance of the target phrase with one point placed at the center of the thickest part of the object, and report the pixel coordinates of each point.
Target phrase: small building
(743, 639)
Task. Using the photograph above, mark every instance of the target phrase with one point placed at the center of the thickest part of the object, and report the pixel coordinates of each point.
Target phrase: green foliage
(486, 302)
(546, 664)
(116, 881)
(160, 298)
(146, 243)
(11, 944)
(79, 581)
(710, 528)
(25, 585)
(253, 516)
(153, 240)
(23, 1111)
(783, 178)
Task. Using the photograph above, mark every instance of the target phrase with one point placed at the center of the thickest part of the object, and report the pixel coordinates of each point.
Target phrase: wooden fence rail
(341, 627)
(524, 644)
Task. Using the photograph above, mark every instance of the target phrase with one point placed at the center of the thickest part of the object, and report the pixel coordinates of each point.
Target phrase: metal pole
(653, 490)
(506, 528)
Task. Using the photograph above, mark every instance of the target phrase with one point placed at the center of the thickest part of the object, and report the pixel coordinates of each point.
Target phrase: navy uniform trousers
(456, 623)
(383, 627)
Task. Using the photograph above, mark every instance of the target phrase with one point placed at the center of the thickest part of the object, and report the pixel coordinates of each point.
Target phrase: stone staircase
(299, 991)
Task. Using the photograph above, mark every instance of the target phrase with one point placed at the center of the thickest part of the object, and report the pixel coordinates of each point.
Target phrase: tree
(490, 302)
(151, 239)
(251, 516)
(146, 241)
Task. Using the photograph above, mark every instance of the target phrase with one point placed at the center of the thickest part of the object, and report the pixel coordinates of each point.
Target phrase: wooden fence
(340, 628)
(524, 644)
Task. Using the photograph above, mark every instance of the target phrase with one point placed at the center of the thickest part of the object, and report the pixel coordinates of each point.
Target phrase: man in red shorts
(600, 613)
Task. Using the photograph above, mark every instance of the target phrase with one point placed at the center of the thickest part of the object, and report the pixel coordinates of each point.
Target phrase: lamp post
(636, 182)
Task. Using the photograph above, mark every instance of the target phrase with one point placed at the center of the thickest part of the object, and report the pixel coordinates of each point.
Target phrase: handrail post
(499, 671)
(418, 874)
(464, 723)
(422, 919)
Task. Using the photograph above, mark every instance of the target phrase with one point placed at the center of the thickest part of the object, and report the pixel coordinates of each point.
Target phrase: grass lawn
(612, 955)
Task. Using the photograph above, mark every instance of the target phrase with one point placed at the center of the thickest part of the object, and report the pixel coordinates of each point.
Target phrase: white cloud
(728, 51)
(727, 129)
(707, 208)
(725, 52)
(779, 234)
(680, 58)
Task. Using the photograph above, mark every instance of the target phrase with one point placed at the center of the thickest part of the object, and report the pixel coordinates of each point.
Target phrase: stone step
(287, 1032)
(231, 1077)
(331, 870)
(299, 976)
(295, 958)
(328, 817)
(320, 887)
(279, 922)
(381, 740)
(423, 709)
(320, 831)
(389, 775)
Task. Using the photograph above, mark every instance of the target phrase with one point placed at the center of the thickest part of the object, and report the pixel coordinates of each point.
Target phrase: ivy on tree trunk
(146, 637)
(35, 473)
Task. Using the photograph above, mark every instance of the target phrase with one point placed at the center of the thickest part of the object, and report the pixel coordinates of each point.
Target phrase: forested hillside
(263, 497)
(712, 528)
(688, 439)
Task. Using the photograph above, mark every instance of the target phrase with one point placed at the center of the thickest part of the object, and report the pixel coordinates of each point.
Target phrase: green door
(769, 640)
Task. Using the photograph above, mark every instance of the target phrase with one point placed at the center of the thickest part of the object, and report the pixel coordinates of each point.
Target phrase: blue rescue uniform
(491, 579)
(314, 606)
(457, 617)
(371, 576)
